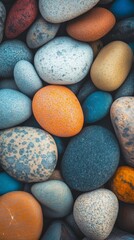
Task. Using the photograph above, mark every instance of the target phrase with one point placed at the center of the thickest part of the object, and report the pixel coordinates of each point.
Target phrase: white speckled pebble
(95, 213)
(63, 61)
(26, 78)
(63, 10)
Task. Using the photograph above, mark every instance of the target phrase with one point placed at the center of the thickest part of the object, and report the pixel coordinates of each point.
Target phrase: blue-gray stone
(71, 222)
(90, 159)
(86, 89)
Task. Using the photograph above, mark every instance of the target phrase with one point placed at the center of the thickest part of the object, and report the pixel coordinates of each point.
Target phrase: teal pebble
(8, 184)
(96, 106)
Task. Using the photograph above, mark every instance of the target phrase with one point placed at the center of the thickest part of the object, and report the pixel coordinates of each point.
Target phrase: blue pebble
(8, 84)
(86, 89)
(122, 8)
(96, 106)
(60, 145)
(11, 52)
(8, 184)
(26, 78)
(15, 108)
(90, 159)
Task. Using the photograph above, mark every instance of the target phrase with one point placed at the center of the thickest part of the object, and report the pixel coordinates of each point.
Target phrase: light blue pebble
(8, 84)
(8, 184)
(96, 106)
(11, 52)
(26, 78)
(15, 108)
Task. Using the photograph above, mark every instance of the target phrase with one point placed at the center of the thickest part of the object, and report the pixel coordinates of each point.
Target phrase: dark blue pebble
(90, 159)
(122, 8)
(8, 184)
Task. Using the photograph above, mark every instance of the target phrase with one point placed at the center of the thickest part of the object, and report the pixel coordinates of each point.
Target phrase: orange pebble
(58, 111)
(123, 184)
(20, 217)
(91, 26)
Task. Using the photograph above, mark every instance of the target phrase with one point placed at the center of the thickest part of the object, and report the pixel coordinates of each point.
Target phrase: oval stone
(15, 108)
(95, 213)
(41, 32)
(28, 154)
(122, 10)
(2, 20)
(10, 53)
(60, 11)
(122, 116)
(63, 61)
(90, 159)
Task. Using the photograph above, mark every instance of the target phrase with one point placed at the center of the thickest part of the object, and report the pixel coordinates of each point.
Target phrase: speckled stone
(58, 230)
(125, 217)
(122, 116)
(90, 159)
(86, 89)
(26, 78)
(63, 61)
(28, 154)
(11, 52)
(15, 108)
(2, 20)
(127, 88)
(8, 83)
(95, 213)
(41, 32)
(60, 11)
(55, 196)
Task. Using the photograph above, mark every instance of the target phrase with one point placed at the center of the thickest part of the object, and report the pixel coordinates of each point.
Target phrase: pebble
(20, 216)
(58, 111)
(20, 17)
(122, 184)
(105, 72)
(2, 20)
(59, 230)
(91, 26)
(95, 213)
(15, 108)
(58, 11)
(60, 145)
(55, 196)
(122, 9)
(26, 78)
(96, 106)
(127, 88)
(71, 222)
(28, 154)
(8, 84)
(8, 184)
(56, 175)
(12, 51)
(90, 159)
(41, 32)
(76, 86)
(63, 61)
(86, 89)
(122, 116)
(125, 217)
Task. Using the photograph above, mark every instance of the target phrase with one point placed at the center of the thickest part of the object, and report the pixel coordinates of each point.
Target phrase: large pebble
(55, 196)
(28, 154)
(15, 108)
(58, 111)
(122, 9)
(2, 20)
(8, 184)
(91, 26)
(95, 213)
(10, 53)
(96, 106)
(20, 217)
(125, 217)
(20, 17)
(63, 61)
(60, 11)
(41, 32)
(8, 84)
(111, 66)
(122, 116)
(90, 159)
(26, 78)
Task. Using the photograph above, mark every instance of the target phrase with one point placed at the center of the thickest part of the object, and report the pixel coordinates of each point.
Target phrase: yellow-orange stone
(58, 111)
(20, 217)
(92, 25)
(122, 184)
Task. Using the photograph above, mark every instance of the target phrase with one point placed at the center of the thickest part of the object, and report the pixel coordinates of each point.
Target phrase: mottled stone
(41, 32)
(28, 154)
(122, 116)
(95, 213)
(2, 20)
(63, 61)
(55, 196)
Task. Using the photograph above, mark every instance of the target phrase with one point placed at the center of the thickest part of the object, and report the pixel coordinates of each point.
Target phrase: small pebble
(8, 184)
(122, 9)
